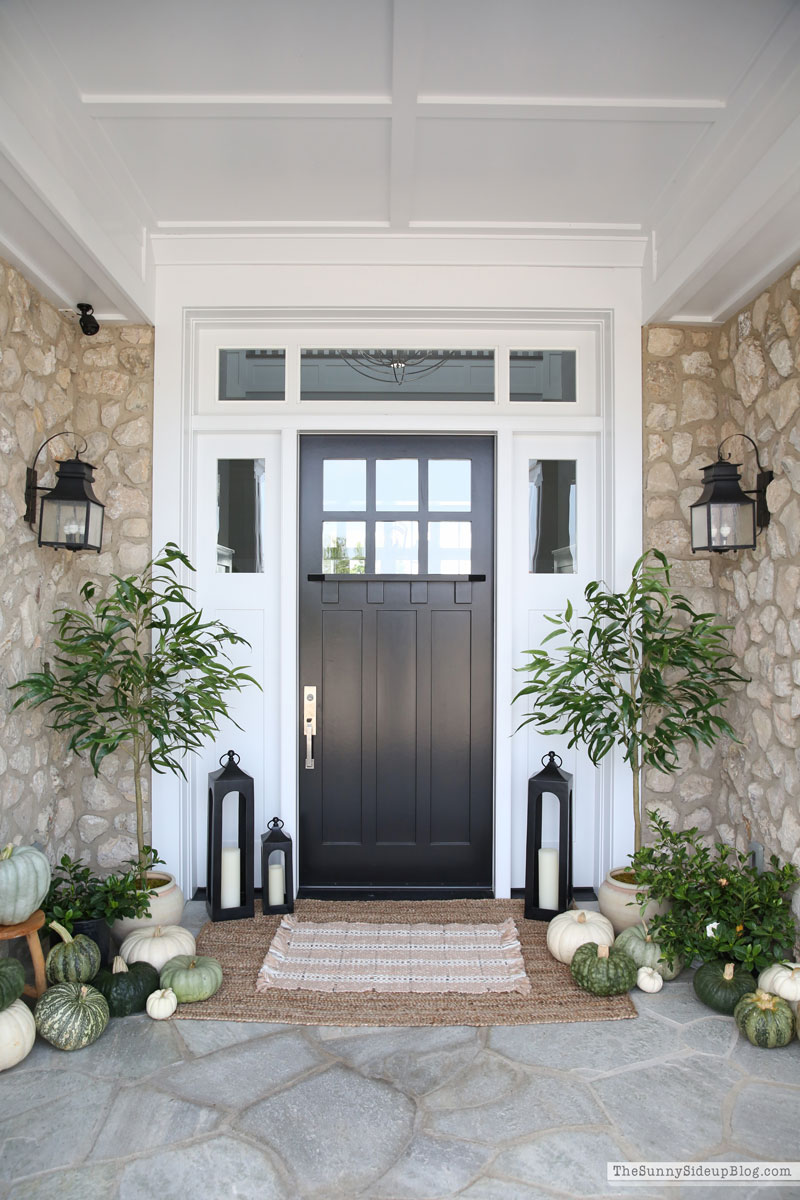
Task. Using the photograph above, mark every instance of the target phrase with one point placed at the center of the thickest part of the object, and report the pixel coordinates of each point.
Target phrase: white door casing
(265, 608)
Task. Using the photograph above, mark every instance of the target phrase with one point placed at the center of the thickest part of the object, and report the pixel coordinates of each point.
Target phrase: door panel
(400, 794)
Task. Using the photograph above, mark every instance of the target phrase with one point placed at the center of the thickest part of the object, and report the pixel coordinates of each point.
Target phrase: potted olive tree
(642, 670)
(138, 670)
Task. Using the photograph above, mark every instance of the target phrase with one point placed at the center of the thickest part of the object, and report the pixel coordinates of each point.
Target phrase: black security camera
(87, 321)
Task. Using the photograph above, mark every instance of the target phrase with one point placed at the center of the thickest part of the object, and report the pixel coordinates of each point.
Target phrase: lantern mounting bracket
(31, 478)
(763, 479)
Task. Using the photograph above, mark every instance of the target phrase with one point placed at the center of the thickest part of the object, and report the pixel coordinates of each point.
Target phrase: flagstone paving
(211, 1110)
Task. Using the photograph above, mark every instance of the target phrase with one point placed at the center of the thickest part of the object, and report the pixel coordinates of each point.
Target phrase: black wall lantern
(230, 894)
(70, 515)
(277, 877)
(724, 517)
(548, 872)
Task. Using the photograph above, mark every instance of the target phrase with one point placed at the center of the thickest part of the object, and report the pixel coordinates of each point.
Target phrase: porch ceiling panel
(254, 170)
(587, 172)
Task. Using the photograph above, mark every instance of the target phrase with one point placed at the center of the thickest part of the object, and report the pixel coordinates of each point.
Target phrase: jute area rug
(240, 946)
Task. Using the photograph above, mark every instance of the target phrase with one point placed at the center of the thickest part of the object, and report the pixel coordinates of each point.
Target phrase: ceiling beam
(409, 29)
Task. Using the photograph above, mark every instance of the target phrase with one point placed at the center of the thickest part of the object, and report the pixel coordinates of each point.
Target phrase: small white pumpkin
(17, 1034)
(782, 979)
(574, 928)
(161, 1004)
(157, 946)
(649, 980)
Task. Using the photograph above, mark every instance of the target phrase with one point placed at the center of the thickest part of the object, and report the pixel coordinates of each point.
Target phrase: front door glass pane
(551, 516)
(343, 547)
(449, 547)
(396, 485)
(240, 505)
(344, 485)
(449, 485)
(396, 548)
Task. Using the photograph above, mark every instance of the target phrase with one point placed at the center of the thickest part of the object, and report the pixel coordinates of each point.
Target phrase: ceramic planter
(617, 901)
(166, 907)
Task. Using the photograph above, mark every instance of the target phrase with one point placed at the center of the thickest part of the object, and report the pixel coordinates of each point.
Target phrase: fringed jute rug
(241, 946)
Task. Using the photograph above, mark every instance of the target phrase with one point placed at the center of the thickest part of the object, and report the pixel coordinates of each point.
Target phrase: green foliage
(77, 895)
(752, 911)
(138, 669)
(642, 670)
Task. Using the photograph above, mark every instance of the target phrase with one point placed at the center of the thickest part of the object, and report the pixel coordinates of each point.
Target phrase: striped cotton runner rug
(360, 956)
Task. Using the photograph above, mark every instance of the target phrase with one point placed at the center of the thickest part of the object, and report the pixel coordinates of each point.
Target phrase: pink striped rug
(360, 956)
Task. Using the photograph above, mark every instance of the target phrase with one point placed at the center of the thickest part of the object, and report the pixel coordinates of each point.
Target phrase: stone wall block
(699, 403)
(663, 342)
(750, 368)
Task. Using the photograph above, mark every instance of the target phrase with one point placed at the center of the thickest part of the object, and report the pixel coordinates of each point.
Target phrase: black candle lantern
(70, 515)
(548, 873)
(229, 875)
(277, 878)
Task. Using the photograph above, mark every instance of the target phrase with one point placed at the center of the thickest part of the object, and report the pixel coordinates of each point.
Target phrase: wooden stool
(29, 930)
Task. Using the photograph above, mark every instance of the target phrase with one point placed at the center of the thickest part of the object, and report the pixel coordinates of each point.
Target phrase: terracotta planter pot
(617, 901)
(166, 907)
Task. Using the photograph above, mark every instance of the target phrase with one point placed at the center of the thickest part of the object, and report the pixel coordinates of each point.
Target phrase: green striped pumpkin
(75, 960)
(12, 981)
(602, 971)
(71, 1015)
(637, 942)
(192, 977)
(765, 1020)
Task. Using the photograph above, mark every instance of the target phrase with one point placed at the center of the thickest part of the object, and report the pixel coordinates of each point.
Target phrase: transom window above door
(396, 516)
(398, 374)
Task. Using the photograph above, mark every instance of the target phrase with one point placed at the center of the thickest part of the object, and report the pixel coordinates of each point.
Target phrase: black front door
(396, 662)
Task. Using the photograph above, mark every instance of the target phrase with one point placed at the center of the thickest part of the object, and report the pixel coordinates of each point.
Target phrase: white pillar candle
(230, 878)
(277, 882)
(548, 878)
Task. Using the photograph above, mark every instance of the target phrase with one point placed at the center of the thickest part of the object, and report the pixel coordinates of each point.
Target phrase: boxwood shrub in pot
(721, 907)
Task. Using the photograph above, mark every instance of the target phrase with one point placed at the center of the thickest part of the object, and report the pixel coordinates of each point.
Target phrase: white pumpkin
(782, 979)
(17, 1034)
(649, 980)
(157, 946)
(161, 1004)
(24, 882)
(573, 928)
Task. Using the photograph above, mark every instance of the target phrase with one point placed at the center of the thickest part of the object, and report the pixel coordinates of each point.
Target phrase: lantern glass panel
(95, 538)
(732, 524)
(700, 528)
(275, 882)
(63, 521)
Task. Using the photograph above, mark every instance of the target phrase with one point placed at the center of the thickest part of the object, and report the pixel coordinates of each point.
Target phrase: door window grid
(381, 488)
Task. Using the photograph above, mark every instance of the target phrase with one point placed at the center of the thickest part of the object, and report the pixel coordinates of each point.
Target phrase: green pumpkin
(24, 881)
(12, 981)
(721, 985)
(764, 1019)
(76, 960)
(71, 1015)
(637, 942)
(602, 971)
(191, 977)
(126, 988)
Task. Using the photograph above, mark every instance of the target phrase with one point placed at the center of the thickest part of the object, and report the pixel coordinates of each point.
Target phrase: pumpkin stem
(582, 917)
(727, 974)
(764, 999)
(118, 966)
(84, 991)
(602, 951)
(63, 933)
(7, 851)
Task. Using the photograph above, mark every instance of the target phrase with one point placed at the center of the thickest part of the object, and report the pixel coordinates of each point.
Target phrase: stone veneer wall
(53, 378)
(700, 385)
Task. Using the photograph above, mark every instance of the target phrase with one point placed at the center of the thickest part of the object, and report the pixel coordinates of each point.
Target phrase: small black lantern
(70, 515)
(230, 894)
(548, 873)
(724, 517)
(277, 878)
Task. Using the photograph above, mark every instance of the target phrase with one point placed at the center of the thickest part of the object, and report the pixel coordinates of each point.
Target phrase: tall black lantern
(548, 873)
(70, 515)
(277, 878)
(229, 876)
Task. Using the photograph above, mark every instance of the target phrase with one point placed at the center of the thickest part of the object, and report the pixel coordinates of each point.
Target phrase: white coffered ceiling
(622, 132)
